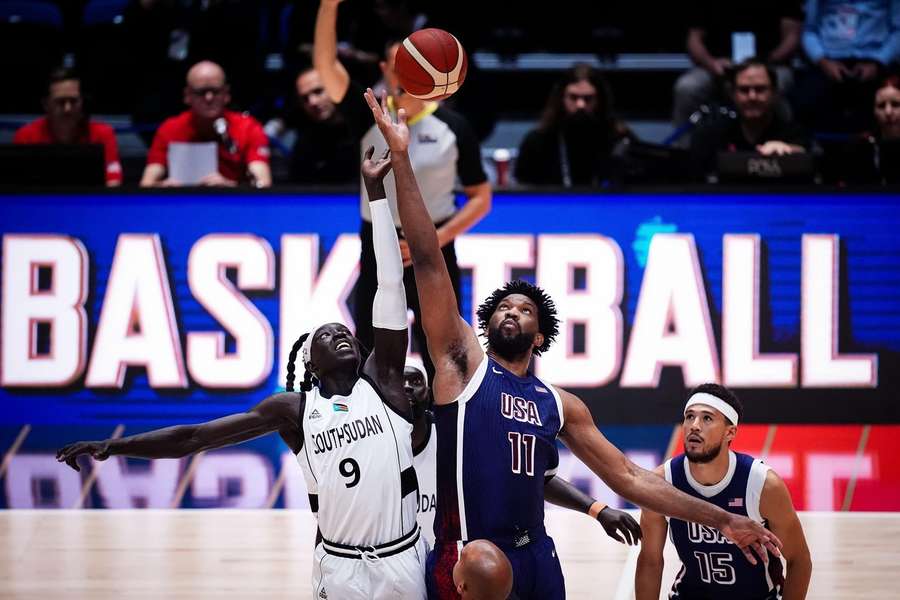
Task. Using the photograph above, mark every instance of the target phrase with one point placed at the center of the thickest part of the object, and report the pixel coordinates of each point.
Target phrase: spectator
(573, 143)
(757, 126)
(720, 31)
(326, 150)
(887, 108)
(67, 122)
(243, 151)
(850, 42)
(443, 149)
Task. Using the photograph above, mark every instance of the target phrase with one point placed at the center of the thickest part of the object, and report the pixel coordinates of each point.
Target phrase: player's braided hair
(307, 383)
(548, 321)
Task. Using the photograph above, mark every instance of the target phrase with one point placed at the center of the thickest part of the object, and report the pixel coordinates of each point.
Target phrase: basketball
(431, 64)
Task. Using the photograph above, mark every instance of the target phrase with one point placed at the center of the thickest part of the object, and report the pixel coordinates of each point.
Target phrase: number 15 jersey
(495, 445)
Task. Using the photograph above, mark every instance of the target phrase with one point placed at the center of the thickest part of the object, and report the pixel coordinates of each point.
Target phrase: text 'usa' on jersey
(714, 567)
(496, 445)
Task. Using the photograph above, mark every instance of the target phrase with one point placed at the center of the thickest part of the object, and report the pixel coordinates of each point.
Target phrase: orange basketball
(430, 64)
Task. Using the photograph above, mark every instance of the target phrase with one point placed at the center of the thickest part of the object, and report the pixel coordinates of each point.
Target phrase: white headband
(415, 363)
(305, 349)
(716, 403)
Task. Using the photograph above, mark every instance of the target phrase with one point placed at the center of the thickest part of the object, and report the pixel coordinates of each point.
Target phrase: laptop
(52, 165)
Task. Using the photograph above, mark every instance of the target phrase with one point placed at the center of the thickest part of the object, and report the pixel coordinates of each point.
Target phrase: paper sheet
(191, 162)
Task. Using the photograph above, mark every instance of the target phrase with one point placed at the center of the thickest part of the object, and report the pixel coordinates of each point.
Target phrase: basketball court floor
(257, 554)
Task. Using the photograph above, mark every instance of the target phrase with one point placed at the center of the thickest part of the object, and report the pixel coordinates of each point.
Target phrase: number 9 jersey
(357, 460)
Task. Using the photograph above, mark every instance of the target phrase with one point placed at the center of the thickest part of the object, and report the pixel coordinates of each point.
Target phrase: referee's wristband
(595, 509)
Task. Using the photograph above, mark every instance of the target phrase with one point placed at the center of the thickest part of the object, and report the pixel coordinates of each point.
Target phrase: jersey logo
(323, 595)
(494, 369)
(540, 389)
(315, 414)
(736, 502)
(340, 407)
(701, 534)
(519, 409)
(425, 138)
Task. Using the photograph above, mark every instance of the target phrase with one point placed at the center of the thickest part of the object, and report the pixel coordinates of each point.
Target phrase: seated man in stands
(756, 127)
(768, 28)
(851, 42)
(573, 144)
(242, 148)
(67, 122)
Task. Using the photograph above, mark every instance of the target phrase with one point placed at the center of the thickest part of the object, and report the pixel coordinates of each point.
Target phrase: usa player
(710, 471)
(619, 525)
(497, 423)
(349, 428)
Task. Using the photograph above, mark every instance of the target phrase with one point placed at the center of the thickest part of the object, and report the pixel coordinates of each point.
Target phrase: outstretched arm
(389, 320)
(449, 337)
(271, 414)
(619, 525)
(645, 489)
(334, 76)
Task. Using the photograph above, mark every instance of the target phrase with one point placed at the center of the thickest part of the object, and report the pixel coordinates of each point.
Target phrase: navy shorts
(537, 574)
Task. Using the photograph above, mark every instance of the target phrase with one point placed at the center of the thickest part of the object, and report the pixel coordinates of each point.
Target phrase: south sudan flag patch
(340, 407)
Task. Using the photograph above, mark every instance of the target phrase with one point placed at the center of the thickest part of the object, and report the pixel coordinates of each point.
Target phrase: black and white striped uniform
(357, 460)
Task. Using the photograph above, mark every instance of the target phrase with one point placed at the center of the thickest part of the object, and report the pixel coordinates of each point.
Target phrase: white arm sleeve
(389, 307)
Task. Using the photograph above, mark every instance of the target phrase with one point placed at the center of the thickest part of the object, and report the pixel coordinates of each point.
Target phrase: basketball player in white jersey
(618, 524)
(350, 428)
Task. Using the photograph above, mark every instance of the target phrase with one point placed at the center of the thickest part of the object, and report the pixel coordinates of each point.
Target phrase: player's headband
(716, 403)
(306, 348)
(415, 363)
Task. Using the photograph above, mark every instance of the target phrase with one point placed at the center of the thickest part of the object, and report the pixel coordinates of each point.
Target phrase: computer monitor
(52, 165)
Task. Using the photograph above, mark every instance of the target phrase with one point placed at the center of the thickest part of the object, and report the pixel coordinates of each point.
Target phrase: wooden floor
(108, 554)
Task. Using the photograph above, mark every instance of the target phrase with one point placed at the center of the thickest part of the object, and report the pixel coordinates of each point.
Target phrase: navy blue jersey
(712, 566)
(496, 444)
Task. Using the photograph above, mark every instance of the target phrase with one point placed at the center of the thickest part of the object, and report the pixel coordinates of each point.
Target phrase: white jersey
(425, 462)
(357, 458)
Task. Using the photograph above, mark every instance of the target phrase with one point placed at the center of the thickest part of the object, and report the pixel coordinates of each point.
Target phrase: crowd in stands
(811, 86)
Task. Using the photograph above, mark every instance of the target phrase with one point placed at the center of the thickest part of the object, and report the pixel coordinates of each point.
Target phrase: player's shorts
(400, 576)
(537, 574)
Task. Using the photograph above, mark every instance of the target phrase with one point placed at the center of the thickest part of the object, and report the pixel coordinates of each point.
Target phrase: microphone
(221, 127)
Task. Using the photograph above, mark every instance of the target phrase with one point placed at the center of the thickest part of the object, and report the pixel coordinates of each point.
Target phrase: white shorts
(400, 577)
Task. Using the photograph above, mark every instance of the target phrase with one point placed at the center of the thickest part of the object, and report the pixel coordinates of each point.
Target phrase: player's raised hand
(620, 526)
(373, 173)
(751, 537)
(395, 134)
(69, 454)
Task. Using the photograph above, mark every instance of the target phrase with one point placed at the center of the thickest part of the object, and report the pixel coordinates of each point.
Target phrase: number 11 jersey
(496, 444)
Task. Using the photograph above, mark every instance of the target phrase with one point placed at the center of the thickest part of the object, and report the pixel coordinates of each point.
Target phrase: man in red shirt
(67, 123)
(242, 148)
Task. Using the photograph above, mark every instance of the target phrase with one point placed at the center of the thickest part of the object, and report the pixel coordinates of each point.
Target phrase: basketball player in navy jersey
(350, 429)
(619, 525)
(497, 423)
(710, 471)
